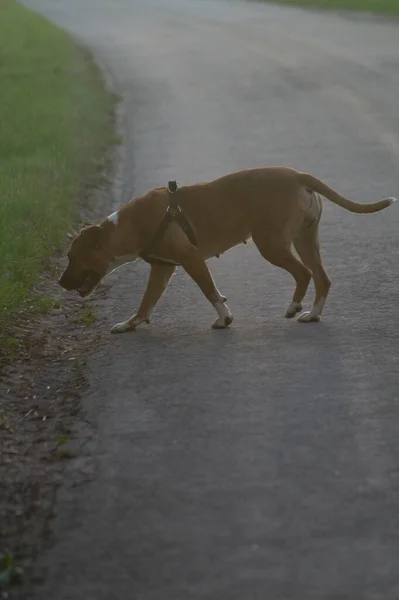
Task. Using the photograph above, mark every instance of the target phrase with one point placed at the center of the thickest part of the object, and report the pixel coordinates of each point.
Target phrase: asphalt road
(259, 462)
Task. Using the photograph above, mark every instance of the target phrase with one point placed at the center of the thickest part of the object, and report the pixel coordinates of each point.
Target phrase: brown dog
(278, 207)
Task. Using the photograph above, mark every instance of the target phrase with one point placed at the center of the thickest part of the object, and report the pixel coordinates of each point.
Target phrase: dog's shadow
(288, 351)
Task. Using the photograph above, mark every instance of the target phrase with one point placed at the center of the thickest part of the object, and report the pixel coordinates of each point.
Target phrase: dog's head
(88, 261)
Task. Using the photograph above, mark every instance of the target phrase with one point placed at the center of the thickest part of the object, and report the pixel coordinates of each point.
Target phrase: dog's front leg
(158, 280)
(196, 267)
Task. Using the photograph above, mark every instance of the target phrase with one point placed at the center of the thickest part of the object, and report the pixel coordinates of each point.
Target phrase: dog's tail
(355, 207)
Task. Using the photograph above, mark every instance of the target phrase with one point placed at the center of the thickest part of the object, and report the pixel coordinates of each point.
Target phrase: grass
(378, 6)
(43, 304)
(56, 123)
(62, 452)
(87, 316)
(9, 571)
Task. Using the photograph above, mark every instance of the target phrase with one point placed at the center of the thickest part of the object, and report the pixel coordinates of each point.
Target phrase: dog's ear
(94, 236)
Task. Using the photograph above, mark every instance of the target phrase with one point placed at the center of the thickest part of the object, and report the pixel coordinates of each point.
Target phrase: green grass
(381, 6)
(43, 304)
(56, 122)
(9, 571)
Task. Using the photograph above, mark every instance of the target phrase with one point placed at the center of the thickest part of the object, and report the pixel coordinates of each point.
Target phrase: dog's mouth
(90, 280)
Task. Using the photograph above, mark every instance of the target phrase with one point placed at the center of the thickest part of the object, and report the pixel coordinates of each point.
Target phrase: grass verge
(56, 123)
(390, 7)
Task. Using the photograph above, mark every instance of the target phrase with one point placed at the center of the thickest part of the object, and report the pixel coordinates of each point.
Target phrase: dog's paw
(293, 309)
(222, 322)
(123, 327)
(308, 317)
(128, 325)
(314, 315)
(225, 318)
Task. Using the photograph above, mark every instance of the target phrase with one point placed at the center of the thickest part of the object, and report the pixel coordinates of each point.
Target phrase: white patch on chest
(120, 261)
(114, 218)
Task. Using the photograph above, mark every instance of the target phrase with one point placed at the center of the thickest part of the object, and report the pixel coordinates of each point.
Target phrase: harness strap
(173, 213)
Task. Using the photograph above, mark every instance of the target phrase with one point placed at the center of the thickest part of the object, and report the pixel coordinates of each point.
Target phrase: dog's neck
(119, 246)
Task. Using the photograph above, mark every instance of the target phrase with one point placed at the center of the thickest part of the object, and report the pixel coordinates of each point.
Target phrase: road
(259, 462)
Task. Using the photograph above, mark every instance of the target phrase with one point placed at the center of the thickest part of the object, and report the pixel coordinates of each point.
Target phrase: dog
(278, 207)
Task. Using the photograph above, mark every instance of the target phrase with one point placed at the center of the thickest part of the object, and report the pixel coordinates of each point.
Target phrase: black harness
(174, 212)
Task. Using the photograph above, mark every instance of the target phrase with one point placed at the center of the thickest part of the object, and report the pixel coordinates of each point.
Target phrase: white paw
(128, 325)
(225, 318)
(293, 309)
(308, 317)
(122, 327)
(392, 199)
(312, 316)
(222, 322)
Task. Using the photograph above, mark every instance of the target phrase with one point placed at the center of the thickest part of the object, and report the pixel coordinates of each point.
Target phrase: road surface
(259, 462)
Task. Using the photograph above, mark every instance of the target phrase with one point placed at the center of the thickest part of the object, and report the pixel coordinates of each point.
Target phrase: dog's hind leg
(306, 244)
(278, 253)
(158, 280)
(194, 264)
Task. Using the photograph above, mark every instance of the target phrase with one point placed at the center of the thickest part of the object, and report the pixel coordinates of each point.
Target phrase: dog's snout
(65, 281)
